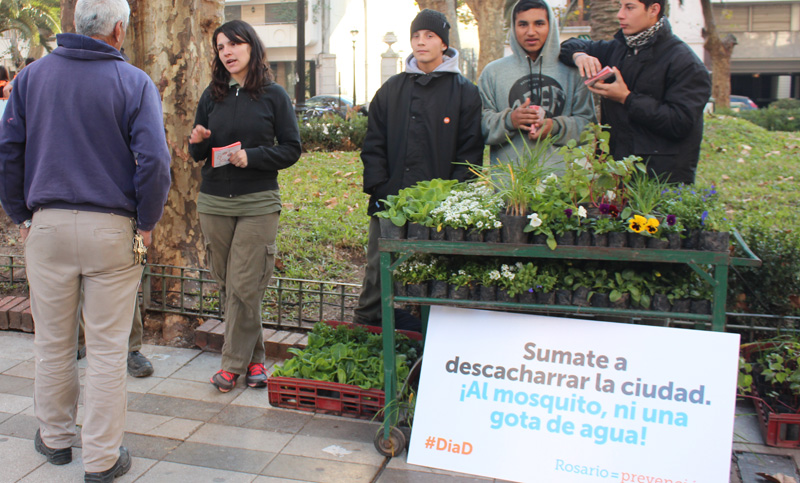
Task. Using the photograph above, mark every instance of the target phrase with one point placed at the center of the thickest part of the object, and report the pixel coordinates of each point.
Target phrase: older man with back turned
(84, 164)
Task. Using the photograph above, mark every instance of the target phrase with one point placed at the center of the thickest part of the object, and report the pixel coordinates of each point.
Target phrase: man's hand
(23, 233)
(587, 65)
(199, 134)
(524, 116)
(616, 91)
(147, 237)
(542, 131)
(239, 159)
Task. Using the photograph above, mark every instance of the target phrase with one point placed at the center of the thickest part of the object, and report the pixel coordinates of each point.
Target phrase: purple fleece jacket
(83, 130)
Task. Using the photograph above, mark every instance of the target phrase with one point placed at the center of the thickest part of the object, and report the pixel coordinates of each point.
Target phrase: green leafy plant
(416, 203)
(772, 372)
(469, 205)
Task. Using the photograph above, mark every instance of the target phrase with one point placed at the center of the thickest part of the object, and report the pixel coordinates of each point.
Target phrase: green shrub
(774, 287)
(774, 119)
(785, 104)
(332, 133)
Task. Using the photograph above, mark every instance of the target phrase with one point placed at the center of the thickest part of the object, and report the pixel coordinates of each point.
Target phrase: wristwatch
(26, 224)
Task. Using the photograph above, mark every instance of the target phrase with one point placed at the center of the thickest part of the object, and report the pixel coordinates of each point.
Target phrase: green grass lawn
(324, 223)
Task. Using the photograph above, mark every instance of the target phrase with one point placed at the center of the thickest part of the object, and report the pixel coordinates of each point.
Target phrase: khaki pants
(67, 249)
(137, 329)
(368, 311)
(241, 256)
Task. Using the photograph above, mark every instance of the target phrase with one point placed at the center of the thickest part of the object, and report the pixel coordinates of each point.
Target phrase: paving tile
(258, 440)
(199, 391)
(256, 418)
(317, 470)
(270, 479)
(26, 369)
(253, 397)
(17, 458)
(74, 471)
(150, 447)
(180, 473)
(16, 345)
(341, 428)
(143, 385)
(8, 363)
(19, 386)
(223, 458)
(177, 428)
(5, 416)
(405, 476)
(11, 403)
(401, 463)
(334, 449)
(175, 407)
(166, 360)
(141, 423)
(747, 427)
(20, 426)
(201, 368)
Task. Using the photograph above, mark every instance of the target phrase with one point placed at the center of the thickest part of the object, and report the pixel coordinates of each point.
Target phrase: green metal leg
(425, 312)
(720, 295)
(391, 413)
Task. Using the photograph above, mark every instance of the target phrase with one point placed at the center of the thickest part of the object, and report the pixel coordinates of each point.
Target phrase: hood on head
(449, 63)
(552, 47)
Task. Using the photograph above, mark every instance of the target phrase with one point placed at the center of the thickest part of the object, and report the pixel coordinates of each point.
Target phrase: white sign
(544, 399)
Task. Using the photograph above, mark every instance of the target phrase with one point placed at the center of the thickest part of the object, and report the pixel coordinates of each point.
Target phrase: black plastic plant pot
(617, 239)
(600, 300)
(691, 240)
(564, 297)
(488, 294)
(417, 289)
(458, 293)
(474, 235)
(660, 303)
(600, 240)
(715, 241)
(636, 240)
(539, 239)
(399, 289)
(438, 289)
(418, 232)
(390, 230)
(546, 298)
(682, 305)
(566, 238)
(527, 297)
(454, 234)
(513, 228)
(675, 242)
(504, 296)
(701, 307)
(492, 236)
(580, 297)
(584, 239)
(623, 302)
(657, 243)
(437, 235)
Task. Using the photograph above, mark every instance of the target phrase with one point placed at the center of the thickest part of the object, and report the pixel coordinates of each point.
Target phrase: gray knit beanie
(434, 21)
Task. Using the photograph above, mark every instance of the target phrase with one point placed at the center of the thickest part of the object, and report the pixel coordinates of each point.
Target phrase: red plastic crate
(779, 429)
(325, 397)
(330, 397)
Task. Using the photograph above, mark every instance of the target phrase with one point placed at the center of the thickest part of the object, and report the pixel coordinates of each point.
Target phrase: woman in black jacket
(242, 111)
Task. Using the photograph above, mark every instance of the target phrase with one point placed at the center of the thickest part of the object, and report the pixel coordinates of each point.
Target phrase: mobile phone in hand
(605, 75)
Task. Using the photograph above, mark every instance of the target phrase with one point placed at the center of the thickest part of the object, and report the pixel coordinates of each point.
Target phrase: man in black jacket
(655, 102)
(422, 124)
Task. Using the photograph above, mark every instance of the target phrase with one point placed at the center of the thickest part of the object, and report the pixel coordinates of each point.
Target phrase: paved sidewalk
(179, 428)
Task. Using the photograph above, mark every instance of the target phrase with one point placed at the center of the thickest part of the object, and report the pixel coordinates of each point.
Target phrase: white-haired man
(84, 163)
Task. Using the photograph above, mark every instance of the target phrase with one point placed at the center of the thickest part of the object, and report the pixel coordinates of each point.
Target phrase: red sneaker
(224, 380)
(256, 375)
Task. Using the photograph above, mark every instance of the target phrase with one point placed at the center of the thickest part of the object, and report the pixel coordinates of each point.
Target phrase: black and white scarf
(641, 39)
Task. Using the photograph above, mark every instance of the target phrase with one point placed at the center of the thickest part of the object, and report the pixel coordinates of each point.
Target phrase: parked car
(318, 106)
(742, 103)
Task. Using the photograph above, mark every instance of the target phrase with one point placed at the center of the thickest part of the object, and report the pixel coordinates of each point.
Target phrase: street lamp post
(354, 32)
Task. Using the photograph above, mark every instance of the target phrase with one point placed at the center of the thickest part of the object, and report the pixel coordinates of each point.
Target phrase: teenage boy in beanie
(655, 104)
(530, 95)
(423, 124)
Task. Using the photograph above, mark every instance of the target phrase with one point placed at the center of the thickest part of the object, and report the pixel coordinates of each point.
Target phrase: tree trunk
(721, 51)
(603, 19)
(491, 34)
(448, 8)
(178, 59)
(68, 16)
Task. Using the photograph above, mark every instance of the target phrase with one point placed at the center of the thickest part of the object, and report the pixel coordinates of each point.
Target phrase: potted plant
(470, 207)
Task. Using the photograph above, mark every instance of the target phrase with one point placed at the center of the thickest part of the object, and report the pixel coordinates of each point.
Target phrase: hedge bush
(333, 133)
(781, 115)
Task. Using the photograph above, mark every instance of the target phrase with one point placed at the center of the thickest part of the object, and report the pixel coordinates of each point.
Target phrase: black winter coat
(419, 127)
(662, 118)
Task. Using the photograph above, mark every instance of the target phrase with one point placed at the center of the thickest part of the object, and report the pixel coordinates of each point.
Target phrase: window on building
(283, 12)
(233, 13)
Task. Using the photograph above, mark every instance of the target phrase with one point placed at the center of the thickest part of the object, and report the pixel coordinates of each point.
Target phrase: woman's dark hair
(258, 72)
(3, 73)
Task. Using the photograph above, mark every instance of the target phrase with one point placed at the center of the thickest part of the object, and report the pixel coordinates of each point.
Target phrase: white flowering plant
(470, 205)
(422, 268)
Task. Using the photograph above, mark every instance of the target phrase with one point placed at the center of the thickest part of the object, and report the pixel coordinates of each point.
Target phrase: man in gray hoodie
(530, 95)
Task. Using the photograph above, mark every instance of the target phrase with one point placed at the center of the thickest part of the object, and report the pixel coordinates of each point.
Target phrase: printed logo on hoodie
(548, 94)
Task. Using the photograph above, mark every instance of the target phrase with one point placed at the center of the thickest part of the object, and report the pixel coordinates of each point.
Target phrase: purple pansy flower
(568, 212)
(605, 208)
(671, 219)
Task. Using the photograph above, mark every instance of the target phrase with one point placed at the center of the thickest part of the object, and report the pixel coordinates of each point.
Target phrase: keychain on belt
(139, 248)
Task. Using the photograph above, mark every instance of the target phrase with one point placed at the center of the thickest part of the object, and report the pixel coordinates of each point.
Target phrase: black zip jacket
(662, 118)
(419, 126)
(256, 123)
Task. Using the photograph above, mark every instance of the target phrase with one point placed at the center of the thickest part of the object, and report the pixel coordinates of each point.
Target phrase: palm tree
(35, 20)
